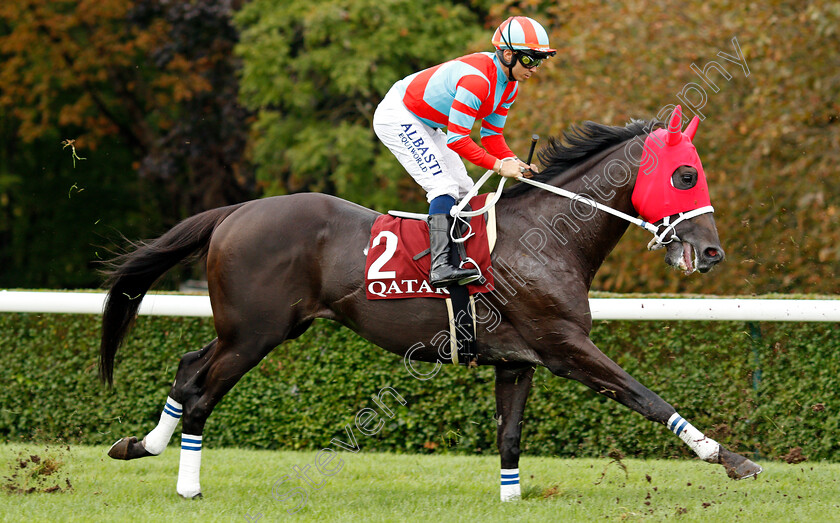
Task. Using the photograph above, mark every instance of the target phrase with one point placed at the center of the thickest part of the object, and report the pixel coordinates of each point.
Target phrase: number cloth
(391, 271)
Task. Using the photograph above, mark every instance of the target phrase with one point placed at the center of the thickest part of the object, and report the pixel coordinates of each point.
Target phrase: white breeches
(420, 149)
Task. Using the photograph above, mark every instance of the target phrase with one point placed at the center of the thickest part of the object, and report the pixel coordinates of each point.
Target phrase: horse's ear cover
(674, 126)
(691, 130)
(665, 150)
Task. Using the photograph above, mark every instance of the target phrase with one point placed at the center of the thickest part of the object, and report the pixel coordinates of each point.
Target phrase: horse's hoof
(194, 496)
(128, 448)
(737, 466)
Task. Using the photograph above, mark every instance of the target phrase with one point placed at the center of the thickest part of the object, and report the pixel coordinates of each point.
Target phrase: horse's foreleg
(156, 441)
(584, 362)
(512, 387)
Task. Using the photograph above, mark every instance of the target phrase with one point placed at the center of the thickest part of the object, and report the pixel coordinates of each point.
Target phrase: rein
(659, 238)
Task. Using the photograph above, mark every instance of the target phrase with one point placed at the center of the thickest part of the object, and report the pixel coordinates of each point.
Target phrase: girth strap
(462, 339)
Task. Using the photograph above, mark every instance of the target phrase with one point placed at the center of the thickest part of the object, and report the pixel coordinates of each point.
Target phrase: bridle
(660, 232)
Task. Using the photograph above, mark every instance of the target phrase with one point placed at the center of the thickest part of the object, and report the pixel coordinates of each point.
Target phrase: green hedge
(760, 389)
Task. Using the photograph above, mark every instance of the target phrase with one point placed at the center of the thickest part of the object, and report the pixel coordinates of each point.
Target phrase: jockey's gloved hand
(514, 167)
(527, 170)
(530, 170)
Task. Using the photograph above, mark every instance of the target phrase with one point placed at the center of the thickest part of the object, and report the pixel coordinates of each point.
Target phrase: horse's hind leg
(581, 360)
(203, 390)
(512, 387)
(156, 441)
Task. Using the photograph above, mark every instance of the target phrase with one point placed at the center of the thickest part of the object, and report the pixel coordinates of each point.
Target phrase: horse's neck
(583, 233)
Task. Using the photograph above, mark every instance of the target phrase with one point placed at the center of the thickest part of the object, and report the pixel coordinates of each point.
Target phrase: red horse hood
(654, 196)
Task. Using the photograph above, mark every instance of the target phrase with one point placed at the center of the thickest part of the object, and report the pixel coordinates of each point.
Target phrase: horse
(276, 264)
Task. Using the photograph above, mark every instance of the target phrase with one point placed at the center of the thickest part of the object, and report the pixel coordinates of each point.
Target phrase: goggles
(529, 61)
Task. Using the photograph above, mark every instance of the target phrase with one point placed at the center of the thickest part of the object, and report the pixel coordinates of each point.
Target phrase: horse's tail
(130, 276)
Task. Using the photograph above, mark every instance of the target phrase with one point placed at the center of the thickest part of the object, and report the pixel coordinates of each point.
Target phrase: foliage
(54, 218)
(142, 88)
(769, 142)
(133, 81)
(757, 389)
(315, 72)
(160, 75)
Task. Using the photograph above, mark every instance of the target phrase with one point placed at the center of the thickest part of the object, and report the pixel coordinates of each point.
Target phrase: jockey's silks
(453, 95)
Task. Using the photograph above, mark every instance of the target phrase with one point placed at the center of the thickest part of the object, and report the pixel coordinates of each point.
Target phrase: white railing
(92, 303)
(717, 309)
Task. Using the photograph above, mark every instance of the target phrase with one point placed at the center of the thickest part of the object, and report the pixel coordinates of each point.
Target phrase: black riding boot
(443, 274)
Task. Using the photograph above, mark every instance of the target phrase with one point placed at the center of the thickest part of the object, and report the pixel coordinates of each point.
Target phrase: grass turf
(238, 485)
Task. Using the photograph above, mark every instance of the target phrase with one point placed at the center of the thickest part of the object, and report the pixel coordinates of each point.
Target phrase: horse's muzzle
(688, 257)
(708, 257)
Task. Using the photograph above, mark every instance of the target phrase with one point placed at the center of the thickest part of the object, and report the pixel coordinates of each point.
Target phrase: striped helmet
(521, 33)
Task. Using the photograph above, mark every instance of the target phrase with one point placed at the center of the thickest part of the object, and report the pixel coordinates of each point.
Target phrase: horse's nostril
(712, 253)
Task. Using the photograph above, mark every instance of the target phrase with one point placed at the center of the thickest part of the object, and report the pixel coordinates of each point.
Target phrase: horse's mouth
(683, 256)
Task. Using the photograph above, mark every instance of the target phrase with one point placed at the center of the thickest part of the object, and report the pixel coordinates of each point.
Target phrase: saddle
(398, 265)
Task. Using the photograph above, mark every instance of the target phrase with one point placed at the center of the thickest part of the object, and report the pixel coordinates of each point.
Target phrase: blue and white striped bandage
(156, 441)
(189, 442)
(189, 469)
(706, 449)
(677, 424)
(173, 408)
(510, 489)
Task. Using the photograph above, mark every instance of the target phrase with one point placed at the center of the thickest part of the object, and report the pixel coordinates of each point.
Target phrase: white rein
(658, 240)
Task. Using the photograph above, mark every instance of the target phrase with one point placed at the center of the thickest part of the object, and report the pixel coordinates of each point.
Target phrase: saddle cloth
(391, 270)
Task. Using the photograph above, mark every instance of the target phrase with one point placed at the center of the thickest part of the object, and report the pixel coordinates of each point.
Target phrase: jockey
(451, 96)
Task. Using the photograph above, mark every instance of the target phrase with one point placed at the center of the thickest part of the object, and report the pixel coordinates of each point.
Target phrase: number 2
(391, 241)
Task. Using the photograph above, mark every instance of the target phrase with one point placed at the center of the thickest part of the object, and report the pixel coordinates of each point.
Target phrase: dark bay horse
(274, 265)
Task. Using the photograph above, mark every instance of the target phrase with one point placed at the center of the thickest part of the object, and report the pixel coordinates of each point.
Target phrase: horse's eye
(684, 180)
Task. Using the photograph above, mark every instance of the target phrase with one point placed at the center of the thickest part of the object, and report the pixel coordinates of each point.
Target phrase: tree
(314, 71)
(159, 75)
(144, 87)
(769, 141)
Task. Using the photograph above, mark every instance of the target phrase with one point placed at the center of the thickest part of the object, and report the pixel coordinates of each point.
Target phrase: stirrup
(454, 279)
(469, 279)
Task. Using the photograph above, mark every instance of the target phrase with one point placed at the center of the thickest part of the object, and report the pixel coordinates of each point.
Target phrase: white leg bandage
(705, 448)
(155, 441)
(190, 467)
(510, 485)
